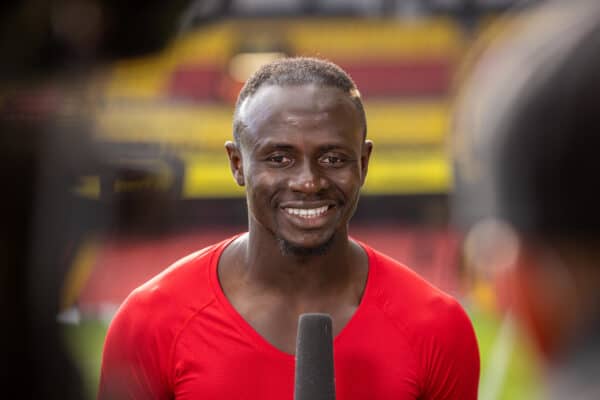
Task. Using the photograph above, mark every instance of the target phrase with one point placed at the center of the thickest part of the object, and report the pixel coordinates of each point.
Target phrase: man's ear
(367, 148)
(235, 162)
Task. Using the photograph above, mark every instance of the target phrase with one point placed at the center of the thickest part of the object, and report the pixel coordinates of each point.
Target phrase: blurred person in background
(222, 322)
(526, 143)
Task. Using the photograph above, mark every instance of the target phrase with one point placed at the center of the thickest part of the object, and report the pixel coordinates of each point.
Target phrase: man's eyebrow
(282, 146)
(268, 145)
(329, 147)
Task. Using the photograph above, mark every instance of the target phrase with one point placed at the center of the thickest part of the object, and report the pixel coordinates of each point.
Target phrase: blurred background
(150, 182)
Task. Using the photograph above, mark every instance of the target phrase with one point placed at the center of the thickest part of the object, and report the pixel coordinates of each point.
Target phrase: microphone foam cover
(314, 358)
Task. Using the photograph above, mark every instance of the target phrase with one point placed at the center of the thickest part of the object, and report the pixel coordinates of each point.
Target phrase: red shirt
(177, 336)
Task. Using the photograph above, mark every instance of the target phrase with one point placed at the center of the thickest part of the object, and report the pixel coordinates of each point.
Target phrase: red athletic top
(177, 336)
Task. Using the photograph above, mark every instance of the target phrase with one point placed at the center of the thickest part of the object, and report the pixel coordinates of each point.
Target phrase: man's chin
(289, 248)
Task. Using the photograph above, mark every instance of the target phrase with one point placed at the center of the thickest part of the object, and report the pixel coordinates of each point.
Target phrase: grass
(521, 381)
(85, 341)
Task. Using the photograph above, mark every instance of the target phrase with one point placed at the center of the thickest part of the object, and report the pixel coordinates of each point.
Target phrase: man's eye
(332, 160)
(278, 159)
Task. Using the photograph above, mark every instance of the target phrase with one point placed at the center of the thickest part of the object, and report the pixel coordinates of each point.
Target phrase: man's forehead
(304, 98)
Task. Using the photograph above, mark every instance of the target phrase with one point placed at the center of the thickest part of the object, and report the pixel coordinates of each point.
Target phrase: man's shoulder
(149, 321)
(184, 286)
(406, 296)
(396, 279)
(432, 323)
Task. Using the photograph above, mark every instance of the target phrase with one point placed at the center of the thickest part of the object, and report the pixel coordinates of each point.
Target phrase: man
(221, 323)
(527, 130)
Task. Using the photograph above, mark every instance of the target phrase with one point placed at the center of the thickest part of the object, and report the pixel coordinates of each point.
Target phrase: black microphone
(314, 358)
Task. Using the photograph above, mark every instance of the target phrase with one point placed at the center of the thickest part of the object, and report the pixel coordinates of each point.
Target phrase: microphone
(314, 378)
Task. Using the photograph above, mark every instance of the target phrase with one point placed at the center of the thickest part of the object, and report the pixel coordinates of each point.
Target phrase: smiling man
(221, 323)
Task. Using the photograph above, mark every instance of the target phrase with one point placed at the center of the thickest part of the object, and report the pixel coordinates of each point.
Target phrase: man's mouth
(307, 213)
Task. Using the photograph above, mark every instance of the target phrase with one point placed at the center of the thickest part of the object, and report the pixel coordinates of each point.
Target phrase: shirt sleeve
(452, 357)
(135, 355)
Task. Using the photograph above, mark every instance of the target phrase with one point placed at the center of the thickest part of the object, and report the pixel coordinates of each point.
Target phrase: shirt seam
(403, 328)
(171, 366)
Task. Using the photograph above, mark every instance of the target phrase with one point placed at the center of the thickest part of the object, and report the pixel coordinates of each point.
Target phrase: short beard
(289, 249)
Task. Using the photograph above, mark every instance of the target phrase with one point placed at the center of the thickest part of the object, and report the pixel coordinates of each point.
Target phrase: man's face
(303, 160)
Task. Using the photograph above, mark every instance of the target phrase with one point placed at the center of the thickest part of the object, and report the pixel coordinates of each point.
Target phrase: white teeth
(307, 212)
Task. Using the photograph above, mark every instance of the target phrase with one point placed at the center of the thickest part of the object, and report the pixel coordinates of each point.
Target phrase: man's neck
(270, 289)
(266, 264)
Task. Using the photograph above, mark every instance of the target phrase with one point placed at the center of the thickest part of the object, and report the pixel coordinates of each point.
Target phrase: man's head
(301, 152)
(527, 136)
(296, 72)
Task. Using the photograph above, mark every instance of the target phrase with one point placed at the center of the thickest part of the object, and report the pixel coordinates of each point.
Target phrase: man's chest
(234, 366)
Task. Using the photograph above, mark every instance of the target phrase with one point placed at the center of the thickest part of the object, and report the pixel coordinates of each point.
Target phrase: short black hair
(297, 71)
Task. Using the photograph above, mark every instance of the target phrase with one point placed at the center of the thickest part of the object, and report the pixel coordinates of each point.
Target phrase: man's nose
(308, 178)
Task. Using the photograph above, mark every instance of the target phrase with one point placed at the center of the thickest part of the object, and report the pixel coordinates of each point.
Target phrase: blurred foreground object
(50, 51)
(526, 142)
